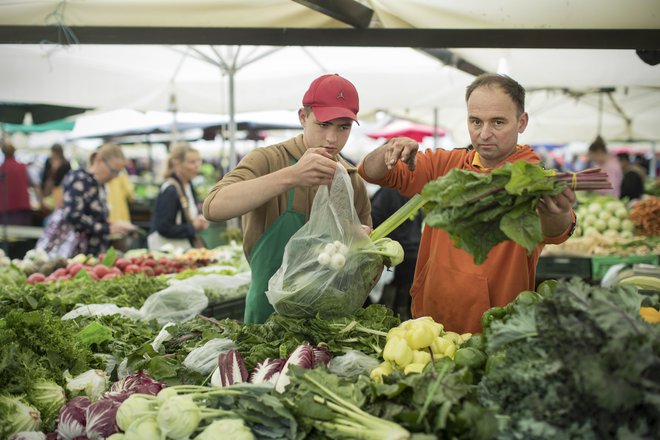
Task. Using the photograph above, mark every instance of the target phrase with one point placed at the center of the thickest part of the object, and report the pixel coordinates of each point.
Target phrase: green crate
(601, 264)
(554, 267)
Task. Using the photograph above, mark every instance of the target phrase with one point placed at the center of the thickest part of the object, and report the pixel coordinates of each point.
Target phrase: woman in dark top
(84, 202)
(176, 218)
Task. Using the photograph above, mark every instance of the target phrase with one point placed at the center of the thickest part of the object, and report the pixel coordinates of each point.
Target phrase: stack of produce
(604, 216)
(646, 216)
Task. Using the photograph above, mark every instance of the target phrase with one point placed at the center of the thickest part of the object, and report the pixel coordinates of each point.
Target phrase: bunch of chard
(480, 210)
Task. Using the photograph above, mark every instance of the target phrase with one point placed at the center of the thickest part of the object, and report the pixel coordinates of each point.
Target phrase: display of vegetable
(335, 410)
(183, 411)
(480, 210)
(604, 215)
(574, 361)
(645, 214)
(16, 416)
(416, 343)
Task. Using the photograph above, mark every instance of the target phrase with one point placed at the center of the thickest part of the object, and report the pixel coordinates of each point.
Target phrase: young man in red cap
(273, 187)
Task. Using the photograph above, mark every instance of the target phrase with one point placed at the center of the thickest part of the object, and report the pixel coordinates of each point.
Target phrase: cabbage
(621, 212)
(627, 225)
(143, 428)
(590, 220)
(613, 223)
(28, 435)
(48, 397)
(178, 417)
(17, 416)
(93, 382)
(234, 429)
(605, 215)
(133, 408)
(600, 225)
(594, 208)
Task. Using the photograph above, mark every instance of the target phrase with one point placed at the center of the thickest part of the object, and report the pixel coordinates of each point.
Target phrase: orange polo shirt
(448, 286)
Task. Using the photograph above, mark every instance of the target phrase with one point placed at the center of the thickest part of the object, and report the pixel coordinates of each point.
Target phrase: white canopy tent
(562, 101)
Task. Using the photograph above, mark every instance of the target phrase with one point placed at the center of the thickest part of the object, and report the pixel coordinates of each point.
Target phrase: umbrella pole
(5, 214)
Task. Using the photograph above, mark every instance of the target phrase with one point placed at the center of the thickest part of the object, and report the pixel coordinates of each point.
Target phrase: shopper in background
(384, 203)
(120, 193)
(85, 210)
(176, 219)
(600, 157)
(14, 185)
(273, 187)
(632, 183)
(448, 286)
(55, 168)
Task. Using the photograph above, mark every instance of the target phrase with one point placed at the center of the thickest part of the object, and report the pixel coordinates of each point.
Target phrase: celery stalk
(401, 215)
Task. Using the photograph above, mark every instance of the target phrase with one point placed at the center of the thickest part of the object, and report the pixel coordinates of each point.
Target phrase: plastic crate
(554, 267)
(600, 264)
(233, 309)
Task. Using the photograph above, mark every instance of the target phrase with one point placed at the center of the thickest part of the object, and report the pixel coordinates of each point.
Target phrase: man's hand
(555, 212)
(377, 164)
(200, 223)
(315, 167)
(403, 149)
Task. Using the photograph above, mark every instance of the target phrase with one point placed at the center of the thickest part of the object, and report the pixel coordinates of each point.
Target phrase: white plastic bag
(205, 358)
(304, 286)
(218, 287)
(352, 363)
(177, 303)
(102, 310)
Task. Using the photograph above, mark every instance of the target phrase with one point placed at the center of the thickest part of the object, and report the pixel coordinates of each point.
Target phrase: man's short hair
(598, 145)
(510, 86)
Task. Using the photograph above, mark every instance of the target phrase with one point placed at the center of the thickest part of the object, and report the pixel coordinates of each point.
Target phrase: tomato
(36, 278)
(147, 270)
(149, 262)
(116, 271)
(101, 270)
(74, 268)
(109, 276)
(58, 272)
(132, 268)
(121, 263)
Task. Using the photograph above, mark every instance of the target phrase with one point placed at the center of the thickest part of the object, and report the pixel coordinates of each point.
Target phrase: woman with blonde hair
(82, 225)
(176, 218)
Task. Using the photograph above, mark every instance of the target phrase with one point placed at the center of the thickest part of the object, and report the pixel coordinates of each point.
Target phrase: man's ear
(302, 115)
(522, 122)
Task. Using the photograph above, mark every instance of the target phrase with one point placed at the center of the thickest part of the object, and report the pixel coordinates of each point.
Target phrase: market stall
(151, 345)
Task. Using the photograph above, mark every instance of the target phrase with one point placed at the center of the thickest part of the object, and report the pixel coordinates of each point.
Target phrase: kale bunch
(578, 363)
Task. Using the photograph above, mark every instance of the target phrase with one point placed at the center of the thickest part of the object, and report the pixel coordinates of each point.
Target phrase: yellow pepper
(421, 357)
(396, 331)
(384, 369)
(414, 368)
(650, 314)
(453, 337)
(440, 345)
(450, 351)
(397, 350)
(420, 336)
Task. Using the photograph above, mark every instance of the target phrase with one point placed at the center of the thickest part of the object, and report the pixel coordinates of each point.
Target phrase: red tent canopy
(405, 128)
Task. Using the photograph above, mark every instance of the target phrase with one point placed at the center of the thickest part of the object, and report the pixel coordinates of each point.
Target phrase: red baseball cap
(332, 97)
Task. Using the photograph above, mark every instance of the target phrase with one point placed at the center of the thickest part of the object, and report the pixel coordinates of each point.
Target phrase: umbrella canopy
(59, 125)
(14, 112)
(406, 128)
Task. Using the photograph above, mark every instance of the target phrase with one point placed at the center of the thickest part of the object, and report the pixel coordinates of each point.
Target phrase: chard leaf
(523, 225)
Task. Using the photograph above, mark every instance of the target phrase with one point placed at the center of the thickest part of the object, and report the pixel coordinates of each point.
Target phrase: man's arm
(377, 163)
(315, 167)
(556, 213)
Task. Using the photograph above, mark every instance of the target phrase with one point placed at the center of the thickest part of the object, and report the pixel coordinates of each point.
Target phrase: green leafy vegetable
(576, 361)
(479, 210)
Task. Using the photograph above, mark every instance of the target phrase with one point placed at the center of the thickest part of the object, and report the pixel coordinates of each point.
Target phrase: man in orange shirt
(448, 286)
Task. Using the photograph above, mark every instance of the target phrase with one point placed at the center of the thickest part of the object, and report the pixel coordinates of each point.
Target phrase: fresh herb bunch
(63, 296)
(38, 345)
(480, 210)
(576, 361)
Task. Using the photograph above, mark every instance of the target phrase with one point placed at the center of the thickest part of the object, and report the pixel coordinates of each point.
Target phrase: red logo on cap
(341, 95)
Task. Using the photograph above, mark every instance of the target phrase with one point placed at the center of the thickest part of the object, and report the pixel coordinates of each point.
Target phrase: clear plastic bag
(217, 287)
(205, 358)
(177, 303)
(304, 285)
(352, 364)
